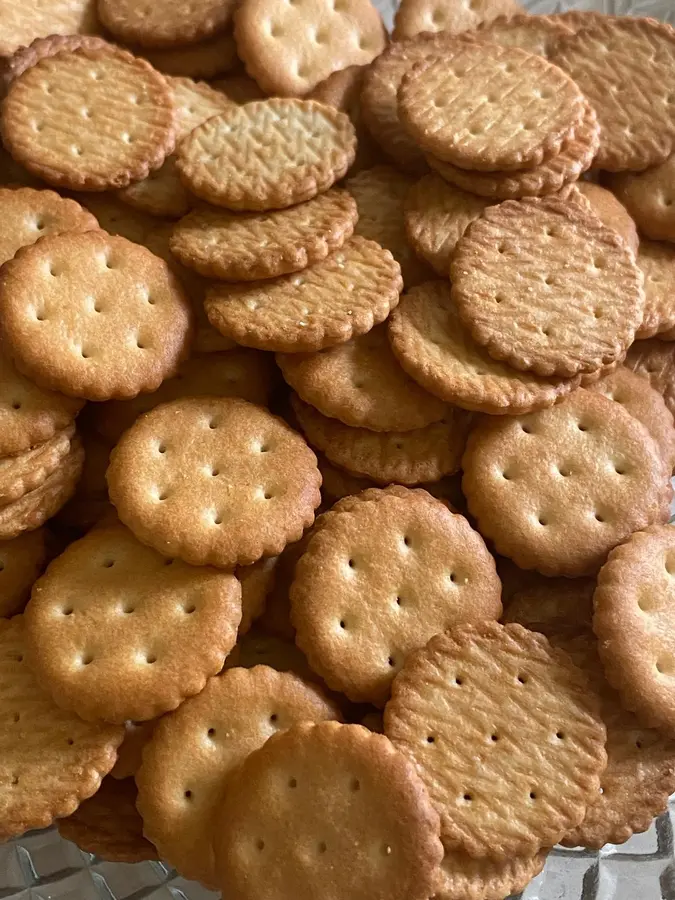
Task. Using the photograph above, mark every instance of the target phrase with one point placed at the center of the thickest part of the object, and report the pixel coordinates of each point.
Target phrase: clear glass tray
(42, 866)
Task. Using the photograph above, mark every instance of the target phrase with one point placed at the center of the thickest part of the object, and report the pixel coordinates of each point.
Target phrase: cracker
(337, 483)
(436, 216)
(160, 194)
(545, 286)
(34, 508)
(25, 57)
(534, 34)
(29, 215)
(406, 457)
(640, 771)
(575, 157)
(625, 66)
(27, 471)
(109, 826)
(22, 22)
(248, 246)
(130, 753)
(260, 648)
(237, 373)
(21, 561)
(633, 623)
(256, 583)
(340, 297)
(657, 261)
(187, 470)
(180, 784)
(454, 16)
(649, 197)
(29, 415)
(637, 396)
(418, 568)
(655, 361)
(94, 316)
(161, 23)
(436, 104)
(553, 606)
(608, 209)
(433, 346)
(361, 384)
(486, 878)
(133, 634)
(240, 88)
(289, 49)
(51, 759)
(380, 193)
(461, 708)
(207, 59)
(117, 105)
(557, 490)
(268, 154)
(273, 834)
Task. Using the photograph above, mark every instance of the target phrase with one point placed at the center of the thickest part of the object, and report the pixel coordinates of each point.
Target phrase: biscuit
(417, 567)
(260, 648)
(94, 316)
(486, 878)
(453, 16)
(136, 633)
(240, 88)
(553, 606)
(569, 483)
(193, 754)
(273, 833)
(25, 57)
(51, 759)
(22, 22)
(340, 297)
(575, 157)
(109, 826)
(543, 285)
(433, 346)
(655, 361)
(268, 154)
(657, 261)
(632, 622)
(207, 59)
(504, 733)
(361, 384)
(436, 105)
(337, 483)
(534, 34)
(649, 197)
(184, 472)
(625, 66)
(27, 471)
(610, 212)
(29, 215)
(436, 216)
(75, 93)
(160, 23)
(380, 193)
(405, 457)
(249, 246)
(290, 50)
(21, 561)
(236, 373)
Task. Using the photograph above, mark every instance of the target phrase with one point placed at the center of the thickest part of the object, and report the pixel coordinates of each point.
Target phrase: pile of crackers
(337, 383)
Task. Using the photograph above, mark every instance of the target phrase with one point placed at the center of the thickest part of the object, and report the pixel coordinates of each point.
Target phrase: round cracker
(160, 194)
(21, 22)
(25, 57)
(505, 734)
(194, 752)
(51, 759)
(249, 246)
(260, 648)
(553, 606)
(608, 209)
(117, 105)
(625, 67)
(545, 286)
(207, 59)
(361, 384)
(162, 23)
(268, 154)
(534, 34)
(657, 261)
(649, 197)
(436, 104)
(486, 878)
(405, 457)
(433, 347)
(94, 316)
(417, 567)
(415, 16)
(21, 561)
(340, 297)
(655, 361)
(557, 490)
(380, 838)
(289, 49)
(27, 471)
(337, 483)
(185, 469)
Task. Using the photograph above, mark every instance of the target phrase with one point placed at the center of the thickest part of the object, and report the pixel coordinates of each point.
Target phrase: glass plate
(42, 866)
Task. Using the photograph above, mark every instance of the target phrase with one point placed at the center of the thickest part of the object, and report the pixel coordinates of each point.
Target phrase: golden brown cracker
(657, 261)
(655, 361)
(160, 23)
(649, 197)
(453, 16)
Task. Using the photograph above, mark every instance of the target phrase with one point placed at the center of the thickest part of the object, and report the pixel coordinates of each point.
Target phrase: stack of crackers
(336, 436)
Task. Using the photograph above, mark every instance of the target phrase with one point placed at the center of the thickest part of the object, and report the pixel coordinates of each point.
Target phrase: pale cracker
(435, 105)
(21, 561)
(22, 22)
(485, 878)
(534, 34)
(649, 197)
(656, 361)
(657, 261)
(268, 154)
(608, 209)
(340, 297)
(117, 105)
(453, 16)
(289, 49)
(27, 471)
(249, 246)
(25, 57)
(161, 23)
